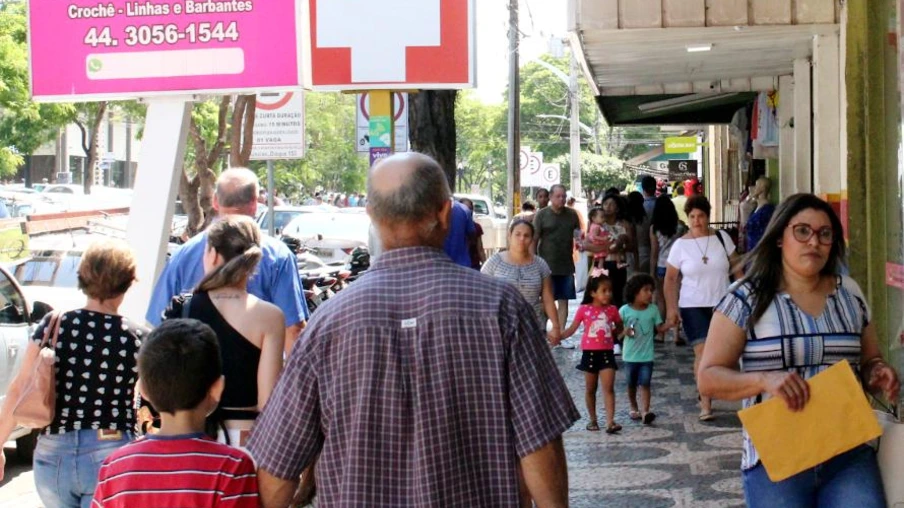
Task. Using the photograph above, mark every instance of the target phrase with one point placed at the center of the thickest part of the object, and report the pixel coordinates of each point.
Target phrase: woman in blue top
(792, 317)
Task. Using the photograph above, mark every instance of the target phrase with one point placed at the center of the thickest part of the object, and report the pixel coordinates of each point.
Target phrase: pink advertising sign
(95, 49)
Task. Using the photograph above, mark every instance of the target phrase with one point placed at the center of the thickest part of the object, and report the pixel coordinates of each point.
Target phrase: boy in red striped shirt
(180, 373)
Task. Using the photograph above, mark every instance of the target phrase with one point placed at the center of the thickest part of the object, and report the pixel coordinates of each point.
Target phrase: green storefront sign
(681, 145)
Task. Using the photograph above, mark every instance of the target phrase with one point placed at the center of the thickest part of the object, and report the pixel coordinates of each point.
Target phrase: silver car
(17, 323)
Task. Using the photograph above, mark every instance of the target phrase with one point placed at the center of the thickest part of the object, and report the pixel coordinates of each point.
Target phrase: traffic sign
(550, 175)
(279, 126)
(531, 174)
(400, 119)
(393, 44)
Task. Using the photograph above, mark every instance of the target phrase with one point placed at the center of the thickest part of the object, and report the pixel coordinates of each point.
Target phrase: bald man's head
(237, 192)
(408, 191)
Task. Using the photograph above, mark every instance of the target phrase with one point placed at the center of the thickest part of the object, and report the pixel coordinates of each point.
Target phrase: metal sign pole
(270, 199)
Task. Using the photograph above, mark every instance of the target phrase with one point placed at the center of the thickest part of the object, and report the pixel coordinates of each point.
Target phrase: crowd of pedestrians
(402, 391)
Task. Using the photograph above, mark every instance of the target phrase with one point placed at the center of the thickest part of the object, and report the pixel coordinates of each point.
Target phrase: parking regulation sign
(279, 126)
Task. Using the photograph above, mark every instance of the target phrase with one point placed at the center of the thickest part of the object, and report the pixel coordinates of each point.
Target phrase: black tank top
(240, 360)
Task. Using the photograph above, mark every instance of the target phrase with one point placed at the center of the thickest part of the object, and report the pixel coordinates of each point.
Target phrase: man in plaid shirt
(423, 384)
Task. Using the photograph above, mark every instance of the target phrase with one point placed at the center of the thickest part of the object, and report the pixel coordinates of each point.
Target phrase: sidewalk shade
(837, 419)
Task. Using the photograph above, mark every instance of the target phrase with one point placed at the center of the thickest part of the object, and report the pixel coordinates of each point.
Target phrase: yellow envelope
(837, 419)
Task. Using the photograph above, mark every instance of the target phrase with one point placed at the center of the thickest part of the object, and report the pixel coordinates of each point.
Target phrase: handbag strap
(52, 330)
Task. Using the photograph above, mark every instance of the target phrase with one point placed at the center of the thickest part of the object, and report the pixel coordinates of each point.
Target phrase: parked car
(285, 214)
(494, 225)
(330, 236)
(17, 322)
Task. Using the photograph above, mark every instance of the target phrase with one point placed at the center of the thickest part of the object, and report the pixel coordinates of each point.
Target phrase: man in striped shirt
(181, 375)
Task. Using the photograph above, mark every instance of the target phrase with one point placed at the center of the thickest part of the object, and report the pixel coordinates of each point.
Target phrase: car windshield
(283, 218)
(55, 271)
(12, 305)
(344, 226)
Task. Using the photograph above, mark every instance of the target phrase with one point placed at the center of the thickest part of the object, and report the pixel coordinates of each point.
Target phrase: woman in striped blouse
(791, 318)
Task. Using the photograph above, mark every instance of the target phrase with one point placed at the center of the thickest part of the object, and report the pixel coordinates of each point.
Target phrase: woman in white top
(704, 258)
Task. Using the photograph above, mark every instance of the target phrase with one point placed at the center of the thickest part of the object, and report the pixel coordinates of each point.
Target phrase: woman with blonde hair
(96, 356)
(250, 331)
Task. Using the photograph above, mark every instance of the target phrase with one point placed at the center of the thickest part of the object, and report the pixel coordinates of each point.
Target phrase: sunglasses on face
(803, 233)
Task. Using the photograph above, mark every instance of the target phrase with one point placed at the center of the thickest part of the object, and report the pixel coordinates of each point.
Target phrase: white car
(495, 234)
(330, 236)
(17, 322)
(285, 214)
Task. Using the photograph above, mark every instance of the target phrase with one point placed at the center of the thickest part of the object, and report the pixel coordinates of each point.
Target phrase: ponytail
(237, 240)
(232, 272)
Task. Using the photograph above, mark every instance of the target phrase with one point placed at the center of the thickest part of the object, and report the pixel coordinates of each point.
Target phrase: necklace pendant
(705, 260)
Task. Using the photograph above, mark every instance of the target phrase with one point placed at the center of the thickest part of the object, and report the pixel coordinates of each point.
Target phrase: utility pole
(513, 183)
(575, 96)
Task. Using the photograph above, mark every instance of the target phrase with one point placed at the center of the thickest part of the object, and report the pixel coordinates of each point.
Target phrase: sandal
(649, 418)
(635, 415)
(613, 428)
(707, 417)
(593, 426)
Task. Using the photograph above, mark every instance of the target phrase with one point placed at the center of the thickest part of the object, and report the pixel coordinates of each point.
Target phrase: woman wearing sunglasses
(794, 316)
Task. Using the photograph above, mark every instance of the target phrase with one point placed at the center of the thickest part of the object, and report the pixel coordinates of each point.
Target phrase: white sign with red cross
(392, 44)
(400, 122)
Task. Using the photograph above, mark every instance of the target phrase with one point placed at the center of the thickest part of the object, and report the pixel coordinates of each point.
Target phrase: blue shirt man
(276, 279)
(461, 227)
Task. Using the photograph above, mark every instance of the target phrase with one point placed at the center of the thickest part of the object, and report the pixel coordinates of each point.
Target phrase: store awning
(686, 109)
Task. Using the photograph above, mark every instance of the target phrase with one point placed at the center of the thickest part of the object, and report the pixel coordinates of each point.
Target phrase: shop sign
(681, 145)
(120, 49)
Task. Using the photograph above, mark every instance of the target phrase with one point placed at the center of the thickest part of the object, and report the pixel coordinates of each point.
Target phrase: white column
(786, 136)
(156, 187)
(827, 115)
(803, 127)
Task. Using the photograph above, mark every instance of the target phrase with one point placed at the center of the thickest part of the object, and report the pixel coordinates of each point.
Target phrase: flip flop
(707, 417)
(593, 427)
(649, 418)
(635, 415)
(613, 428)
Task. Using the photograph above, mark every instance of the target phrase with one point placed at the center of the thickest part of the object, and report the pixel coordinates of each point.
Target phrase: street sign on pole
(279, 126)
(400, 121)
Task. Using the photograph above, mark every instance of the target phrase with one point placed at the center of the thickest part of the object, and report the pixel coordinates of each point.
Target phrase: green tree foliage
(24, 125)
(598, 172)
(546, 109)
(481, 145)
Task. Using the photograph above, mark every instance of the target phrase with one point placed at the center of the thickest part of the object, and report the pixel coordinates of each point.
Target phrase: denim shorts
(848, 480)
(595, 361)
(639, 373)
(563, 287)
(695, 321)
(66, 466)
(660, 272)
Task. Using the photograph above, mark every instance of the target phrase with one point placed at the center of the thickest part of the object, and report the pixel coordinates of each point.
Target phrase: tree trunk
(431, 120)
(89, 144)
(196, 192)
(242, 135)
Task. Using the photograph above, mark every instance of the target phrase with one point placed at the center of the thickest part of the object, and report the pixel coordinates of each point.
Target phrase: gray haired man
(425, 383)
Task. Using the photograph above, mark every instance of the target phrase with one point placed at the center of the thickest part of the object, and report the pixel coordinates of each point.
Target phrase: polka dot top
(96, 371)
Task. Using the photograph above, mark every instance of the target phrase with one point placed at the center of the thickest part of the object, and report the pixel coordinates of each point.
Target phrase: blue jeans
(66, 466)
(848, 480)
(639, 373)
